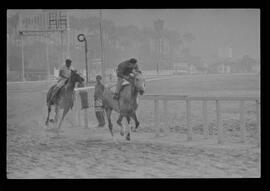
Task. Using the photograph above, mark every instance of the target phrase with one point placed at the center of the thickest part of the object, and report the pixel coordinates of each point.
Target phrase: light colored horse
(127, 104)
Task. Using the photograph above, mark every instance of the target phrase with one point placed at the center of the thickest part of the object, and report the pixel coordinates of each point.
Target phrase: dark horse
(64, 98)
(127, 104)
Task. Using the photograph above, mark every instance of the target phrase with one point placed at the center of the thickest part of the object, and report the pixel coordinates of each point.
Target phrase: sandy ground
(91, 153)
(34, 152)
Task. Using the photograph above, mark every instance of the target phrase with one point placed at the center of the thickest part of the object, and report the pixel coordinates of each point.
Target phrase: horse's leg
(66, 109)
(48, 117)
(137, 123)
(119, 122)
(108, 114)
(129, 128)
(56, 116)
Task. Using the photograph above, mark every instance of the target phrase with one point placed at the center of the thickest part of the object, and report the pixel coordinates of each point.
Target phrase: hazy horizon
(213, 28)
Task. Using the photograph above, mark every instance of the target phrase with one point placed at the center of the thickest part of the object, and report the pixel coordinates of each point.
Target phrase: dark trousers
(100, 117)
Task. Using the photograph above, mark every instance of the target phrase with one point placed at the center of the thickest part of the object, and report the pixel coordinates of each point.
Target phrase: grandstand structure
(47, 25)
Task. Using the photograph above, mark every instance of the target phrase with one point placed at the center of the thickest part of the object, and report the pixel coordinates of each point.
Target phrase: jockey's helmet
(68, 62)
(133, 61)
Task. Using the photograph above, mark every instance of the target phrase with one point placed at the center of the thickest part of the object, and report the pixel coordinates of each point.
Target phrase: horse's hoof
(122, 133)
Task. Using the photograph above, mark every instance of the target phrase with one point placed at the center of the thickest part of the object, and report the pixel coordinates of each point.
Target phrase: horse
(64, 98)
(127, 104)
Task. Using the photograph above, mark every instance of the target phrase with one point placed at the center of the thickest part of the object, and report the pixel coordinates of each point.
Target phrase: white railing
(205, 100)
(188, 100)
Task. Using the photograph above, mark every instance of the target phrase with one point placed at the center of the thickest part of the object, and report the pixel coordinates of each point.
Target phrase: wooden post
(22, 53)
(205, 120)
(242, 122)
(165, 106)
(44, 109)
(78, 109)
(219, 123)
(258, 111)
(85, 118)
(156, 108)
(189, 128)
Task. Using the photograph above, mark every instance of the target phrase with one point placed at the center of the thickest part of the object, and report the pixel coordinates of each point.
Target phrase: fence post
(44, 109)
(156, 108)
(85, 118)
(165, 106)
(219, 123)
(189, 128)
(205, 120)
(78, 110)
(258, 122)
(242, 122)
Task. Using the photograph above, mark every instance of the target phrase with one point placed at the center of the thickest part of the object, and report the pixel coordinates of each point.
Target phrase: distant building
(181, 68)
(225, 52)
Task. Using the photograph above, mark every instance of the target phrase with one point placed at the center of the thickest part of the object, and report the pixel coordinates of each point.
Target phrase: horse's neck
(132, 92)
(70, 86)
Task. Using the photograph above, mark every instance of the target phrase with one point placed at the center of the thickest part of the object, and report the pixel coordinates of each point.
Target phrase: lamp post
(103, 73)
(82, 38)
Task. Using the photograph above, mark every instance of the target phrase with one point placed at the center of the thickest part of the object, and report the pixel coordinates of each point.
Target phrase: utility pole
(22, 53)
(103, 73)
(62, 48)
(47, 56)
(68, 35)
(158, 26)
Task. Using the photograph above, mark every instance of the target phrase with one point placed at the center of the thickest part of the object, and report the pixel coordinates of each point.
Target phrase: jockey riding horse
(64, 74)
(124, 70)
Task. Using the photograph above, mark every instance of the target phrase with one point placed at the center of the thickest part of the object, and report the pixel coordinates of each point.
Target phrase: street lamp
(103, 73)
(82, 38)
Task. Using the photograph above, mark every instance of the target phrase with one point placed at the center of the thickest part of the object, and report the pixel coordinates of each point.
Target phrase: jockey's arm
(126, 78)
(61, 74)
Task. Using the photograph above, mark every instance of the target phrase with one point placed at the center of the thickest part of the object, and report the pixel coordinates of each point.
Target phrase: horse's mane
(123, 86)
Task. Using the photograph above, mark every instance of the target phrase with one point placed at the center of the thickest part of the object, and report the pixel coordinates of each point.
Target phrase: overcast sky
(213, 28)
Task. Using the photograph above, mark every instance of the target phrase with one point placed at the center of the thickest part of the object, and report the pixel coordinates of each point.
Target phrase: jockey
(99, 88)
(64, 74)
(124, 70)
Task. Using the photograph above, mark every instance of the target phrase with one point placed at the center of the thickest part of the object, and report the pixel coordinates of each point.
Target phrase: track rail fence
(218, 100)
(157, 99)
(164, 99)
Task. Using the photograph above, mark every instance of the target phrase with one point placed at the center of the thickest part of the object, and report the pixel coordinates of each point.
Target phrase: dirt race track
(36, 152)
(82, 153)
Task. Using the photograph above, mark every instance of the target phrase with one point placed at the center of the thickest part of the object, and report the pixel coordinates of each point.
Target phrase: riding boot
(118, 86)
(56, 89)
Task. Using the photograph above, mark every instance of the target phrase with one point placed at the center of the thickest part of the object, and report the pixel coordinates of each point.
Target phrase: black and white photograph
(133, 93)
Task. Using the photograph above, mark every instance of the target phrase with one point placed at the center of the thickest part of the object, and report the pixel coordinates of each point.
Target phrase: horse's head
(76, 77)
(139, 82)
